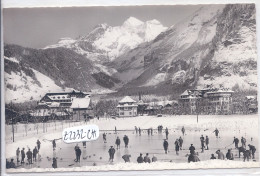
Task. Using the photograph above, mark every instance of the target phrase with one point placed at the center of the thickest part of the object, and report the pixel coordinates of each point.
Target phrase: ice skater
(126, 158)
(216, 131)
(118, 143)
(104, 137)
(180, 142)
(167, 133)
(236, 141)
(207, 143)
(229, 155)
(147, 158)
(140, 158)
(177, 146)
(126, 141)
(192, 149)
(17, 154)
(29, 156)
(202, 141)
(252, 149)
(78, 154)
(139, 130)
(38, 144)
(165, 146)
(54, 163)
(84, 143)
(35, 151)
(23, 156)
(111, 152)
(183, 130)
(243, 142)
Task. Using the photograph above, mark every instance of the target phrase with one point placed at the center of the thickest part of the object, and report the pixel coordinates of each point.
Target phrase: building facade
(206, 101)
(127, 107)
(59, 104)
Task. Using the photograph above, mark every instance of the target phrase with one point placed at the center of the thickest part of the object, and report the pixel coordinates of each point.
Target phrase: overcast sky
(39, 27)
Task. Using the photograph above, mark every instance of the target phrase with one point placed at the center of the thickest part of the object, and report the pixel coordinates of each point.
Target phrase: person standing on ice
(115, 130)
(54, 163)
(140, 158)
(118, 143)
(148, 132)
(165, 146)
(29, 156)
(192, 149)
(180, 142)
(17, 154)
(126, 158)
(220, 155)
(252, 149)
(202, 141)
(136, 130)
(111, 152)
(229, 155)
(236, 141)
(126, 141)
(78, 153)
(84, 143)
(139, 131)
(147, 158)
(151, 131)
(243, 142)
(247, 155)
(183, 130)
(104, 137)
(38, 144)
(177, 146)
(35, 151)
(23, 156)
(216, 132)
(207, 142)
(54, 144)
(167, 133)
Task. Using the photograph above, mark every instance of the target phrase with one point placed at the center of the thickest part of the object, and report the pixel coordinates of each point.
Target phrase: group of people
(146, 159)
(20, 156)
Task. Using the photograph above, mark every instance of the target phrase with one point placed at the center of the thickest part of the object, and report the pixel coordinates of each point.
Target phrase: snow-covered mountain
(105, 43)
(215, 46)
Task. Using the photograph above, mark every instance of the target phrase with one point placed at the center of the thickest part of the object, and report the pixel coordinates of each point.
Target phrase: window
(130, 108)
(121, 109)
(121, 113)
(130, 113)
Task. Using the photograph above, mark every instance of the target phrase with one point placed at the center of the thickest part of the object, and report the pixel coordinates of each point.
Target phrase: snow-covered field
(97, 152)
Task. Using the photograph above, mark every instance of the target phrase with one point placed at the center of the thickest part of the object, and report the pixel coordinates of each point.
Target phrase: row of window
(126, 108)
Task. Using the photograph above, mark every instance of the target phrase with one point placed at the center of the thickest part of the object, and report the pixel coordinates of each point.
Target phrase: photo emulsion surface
(130, 88)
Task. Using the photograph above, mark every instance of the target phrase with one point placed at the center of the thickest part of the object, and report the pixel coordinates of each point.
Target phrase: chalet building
(206, 101)
(127, 107)
(58, 104)
(82, 109)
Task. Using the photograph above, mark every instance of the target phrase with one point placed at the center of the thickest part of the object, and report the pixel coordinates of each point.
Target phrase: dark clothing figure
(54, 163)
(38, 144)
(193, 158)
(136, 130)
(229, 155)
(151, 131)
(216, 132)
(212, 156)
(53, 144)
(126, 158)
(247, 155)
(177, 146)
(192, 149)
(139, 131)
(165, 146)
(22, 155)
(104, 137)
(140, 159)
(35, 151)
(12, 164)
(78, 153)
(111, 152)
(252, 149)
(148, 132)
(126, 141)
(220, 155)
(117, 143)
(147, 159)
(207, 142)
(167, 133)
(115, 130)
(17, 154)
(202, 141)
(243, 142)
(29, 156)
(236, 141)
(241, 150)
(180, 142)
(84, 144)
(7, 164)
(183, 131)
(154, 159)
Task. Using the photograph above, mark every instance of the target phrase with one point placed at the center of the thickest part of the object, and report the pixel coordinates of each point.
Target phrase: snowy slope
(216, 45)
(105, 43)
(25, 88)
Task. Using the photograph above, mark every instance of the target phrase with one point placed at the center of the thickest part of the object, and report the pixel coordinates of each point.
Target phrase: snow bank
(210, 164)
